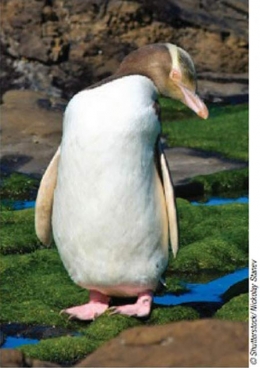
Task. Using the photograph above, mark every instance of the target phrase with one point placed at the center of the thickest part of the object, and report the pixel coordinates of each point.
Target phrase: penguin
(107, 196)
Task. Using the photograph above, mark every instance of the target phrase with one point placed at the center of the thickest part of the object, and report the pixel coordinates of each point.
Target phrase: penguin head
(172, 71)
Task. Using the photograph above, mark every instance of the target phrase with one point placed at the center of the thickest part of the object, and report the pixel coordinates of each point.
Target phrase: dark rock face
(62, 46)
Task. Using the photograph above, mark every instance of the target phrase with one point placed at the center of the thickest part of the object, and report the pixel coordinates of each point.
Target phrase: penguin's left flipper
(170, 199)
(44, 201)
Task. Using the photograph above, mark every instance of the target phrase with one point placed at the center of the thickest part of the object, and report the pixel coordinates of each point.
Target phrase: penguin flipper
(44, 201)
(170, 200)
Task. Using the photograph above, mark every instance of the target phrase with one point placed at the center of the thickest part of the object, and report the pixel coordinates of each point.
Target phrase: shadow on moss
(18, 187)
(230, 183)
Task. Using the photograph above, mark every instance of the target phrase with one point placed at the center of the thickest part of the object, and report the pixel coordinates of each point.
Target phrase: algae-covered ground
(213, 240)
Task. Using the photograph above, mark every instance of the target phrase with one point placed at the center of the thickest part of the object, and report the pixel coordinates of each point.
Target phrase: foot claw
(112, 310)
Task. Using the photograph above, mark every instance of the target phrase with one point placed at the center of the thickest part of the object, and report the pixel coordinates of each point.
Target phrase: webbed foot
(141, 308)
(97, 305)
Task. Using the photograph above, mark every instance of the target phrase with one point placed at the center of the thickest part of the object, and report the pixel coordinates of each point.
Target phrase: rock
(31, 131)
(67, 46)
(224, 88)
(15, 358)
(185, 163)
(12, 358)
(201, 343)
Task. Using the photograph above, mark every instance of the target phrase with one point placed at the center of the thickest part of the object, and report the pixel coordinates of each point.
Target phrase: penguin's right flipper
(44, 201)
(170, 199)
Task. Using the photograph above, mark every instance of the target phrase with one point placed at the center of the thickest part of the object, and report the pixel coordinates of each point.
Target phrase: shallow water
(15, 342)
(217, 201)
(22, 205)
(208, 292)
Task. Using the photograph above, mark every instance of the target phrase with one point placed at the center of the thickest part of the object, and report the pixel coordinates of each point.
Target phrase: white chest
(109, 212)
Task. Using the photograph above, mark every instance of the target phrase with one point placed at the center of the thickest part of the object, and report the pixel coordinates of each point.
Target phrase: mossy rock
(235, 310)
(68, 350)
(212, 238)
(163, 315)
(36, 287)
(65, 350)
(231, 183)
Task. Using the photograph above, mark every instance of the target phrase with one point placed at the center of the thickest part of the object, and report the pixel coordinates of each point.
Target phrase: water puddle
(208, 292)
(217, 201)
(19, 205)
(13, 335)
(15, 342)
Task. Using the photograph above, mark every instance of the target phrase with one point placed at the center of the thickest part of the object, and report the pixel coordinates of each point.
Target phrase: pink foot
(141, 308)
(98, 304)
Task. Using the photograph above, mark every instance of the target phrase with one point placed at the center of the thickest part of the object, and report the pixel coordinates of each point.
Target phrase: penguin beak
(193, 101)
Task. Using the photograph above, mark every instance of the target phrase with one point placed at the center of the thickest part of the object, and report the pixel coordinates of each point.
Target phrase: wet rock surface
(185, 163)
(61, 46)
(201, 343)
(31, 130)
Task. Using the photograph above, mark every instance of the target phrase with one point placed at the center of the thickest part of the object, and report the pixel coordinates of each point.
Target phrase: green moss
(18, 187)
(17, 232)
(234, 181)
(174, 284)
(63, 350)
(70, 349)
(225, 132)
(35, 288)
(211, 254)
(235, 310)
(161, 316)
(108, 326)
(212, 238)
